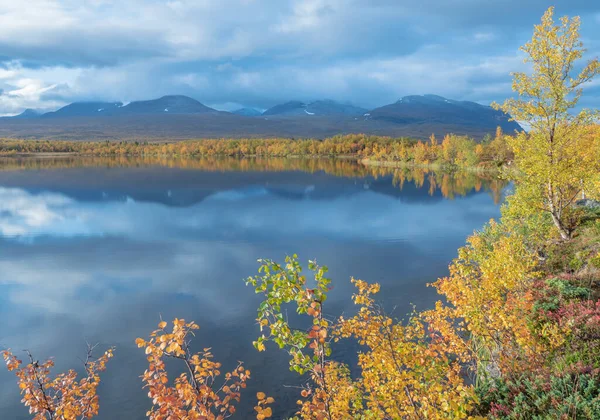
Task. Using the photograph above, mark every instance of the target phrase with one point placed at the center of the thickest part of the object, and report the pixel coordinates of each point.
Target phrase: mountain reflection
(449, 184)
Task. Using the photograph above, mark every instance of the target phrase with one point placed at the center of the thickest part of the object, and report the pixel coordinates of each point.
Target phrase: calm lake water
(99, 249)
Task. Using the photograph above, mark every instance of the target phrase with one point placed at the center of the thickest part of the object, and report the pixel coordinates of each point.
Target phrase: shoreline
(366, 162)
(432, 166)
(35, 155)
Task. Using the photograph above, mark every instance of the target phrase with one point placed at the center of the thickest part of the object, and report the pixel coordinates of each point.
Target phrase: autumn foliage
(558, 156)
(195, 393)
(406, 369)
(63, 397)
(451, 151)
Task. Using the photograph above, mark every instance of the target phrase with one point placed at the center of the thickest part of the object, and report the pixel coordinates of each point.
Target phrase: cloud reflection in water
(103, 270)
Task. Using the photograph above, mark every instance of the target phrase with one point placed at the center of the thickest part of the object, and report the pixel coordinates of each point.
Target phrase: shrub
(595, 261)
(573, 395)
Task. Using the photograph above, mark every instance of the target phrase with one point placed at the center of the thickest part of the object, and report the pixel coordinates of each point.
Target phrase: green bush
(568, 290)
(572, 395)
(576, 263)
(595, 261)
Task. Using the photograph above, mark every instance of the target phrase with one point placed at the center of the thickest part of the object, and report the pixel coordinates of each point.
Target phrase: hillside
(433, 109)
(179, 117)
(172, 104)
(83, 109)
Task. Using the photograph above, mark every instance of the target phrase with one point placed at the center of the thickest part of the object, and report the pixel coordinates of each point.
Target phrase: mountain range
(173, 104)
(178, 116)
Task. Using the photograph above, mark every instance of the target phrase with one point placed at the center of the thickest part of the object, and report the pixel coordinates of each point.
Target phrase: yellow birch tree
(555, 159)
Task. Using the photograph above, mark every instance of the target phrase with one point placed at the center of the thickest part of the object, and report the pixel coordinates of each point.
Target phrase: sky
(258, 53)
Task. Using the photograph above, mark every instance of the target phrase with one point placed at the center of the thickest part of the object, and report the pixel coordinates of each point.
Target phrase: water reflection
(449, 184)
(97, 249)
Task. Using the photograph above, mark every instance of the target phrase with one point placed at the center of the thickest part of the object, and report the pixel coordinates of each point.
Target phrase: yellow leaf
(261, 396)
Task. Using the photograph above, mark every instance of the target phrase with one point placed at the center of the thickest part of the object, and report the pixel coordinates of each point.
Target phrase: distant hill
(85, 109)
(247, 112)
(324, 107)
(434, 109)
(181, 117)
(28, 113)
(288, 108)
(329, 107)
(173, 104)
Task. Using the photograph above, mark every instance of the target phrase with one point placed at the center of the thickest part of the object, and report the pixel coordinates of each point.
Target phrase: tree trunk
(556, 213)
(564, 233)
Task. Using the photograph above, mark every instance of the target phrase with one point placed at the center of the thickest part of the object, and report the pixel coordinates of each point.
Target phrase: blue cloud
(260, 53)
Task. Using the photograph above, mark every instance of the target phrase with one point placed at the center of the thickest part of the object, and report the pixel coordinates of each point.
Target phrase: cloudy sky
(257, 53)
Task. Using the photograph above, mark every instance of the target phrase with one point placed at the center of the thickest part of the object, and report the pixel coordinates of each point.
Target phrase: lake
(97, 250)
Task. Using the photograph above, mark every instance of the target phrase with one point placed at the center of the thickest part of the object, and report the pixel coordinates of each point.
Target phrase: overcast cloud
(228, 53)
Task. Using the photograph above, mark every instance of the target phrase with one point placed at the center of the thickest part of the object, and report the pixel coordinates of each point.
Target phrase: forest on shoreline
(450, 152)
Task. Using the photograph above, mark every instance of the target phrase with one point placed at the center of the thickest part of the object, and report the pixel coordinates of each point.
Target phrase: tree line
(452, 150)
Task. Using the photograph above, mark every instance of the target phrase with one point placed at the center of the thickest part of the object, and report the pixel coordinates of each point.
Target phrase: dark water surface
(98, 250)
